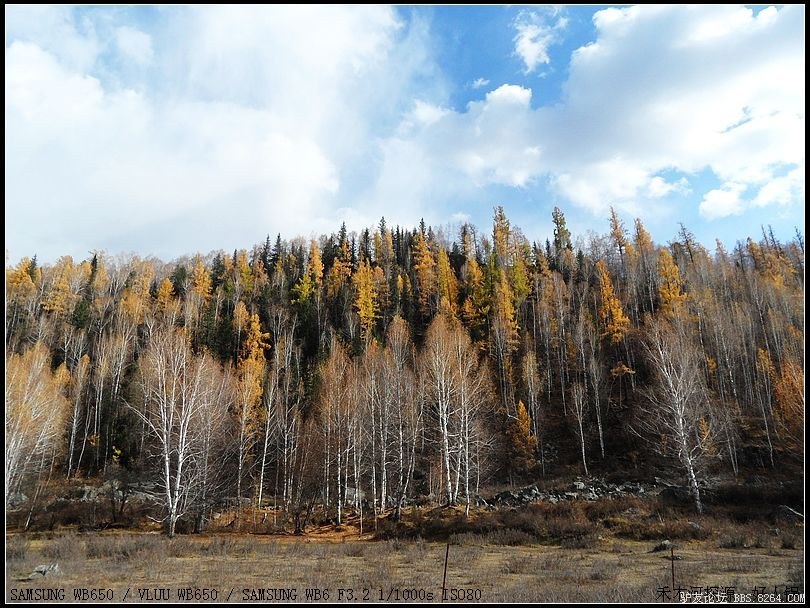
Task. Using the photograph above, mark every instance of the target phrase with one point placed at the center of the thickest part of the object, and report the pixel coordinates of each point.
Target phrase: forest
(365, 370)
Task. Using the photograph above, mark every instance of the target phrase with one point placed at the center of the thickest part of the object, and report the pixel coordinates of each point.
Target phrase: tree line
(359, 370)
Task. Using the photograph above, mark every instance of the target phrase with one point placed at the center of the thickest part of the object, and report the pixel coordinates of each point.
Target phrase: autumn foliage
(397, 362)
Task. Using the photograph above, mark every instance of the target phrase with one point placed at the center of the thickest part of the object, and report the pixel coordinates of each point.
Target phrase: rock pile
(581, 489)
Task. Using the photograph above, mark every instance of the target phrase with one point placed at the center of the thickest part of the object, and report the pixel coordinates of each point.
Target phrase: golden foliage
(339, 273)
(621, 370)
(19, 283)
(615, 324)
(670, 287)
(425, 273)
(448, 284)
(165, 296)
(200, 280)
(365, 299)
(789, 393)
(522, 444)
(256, 341)
(505, 321)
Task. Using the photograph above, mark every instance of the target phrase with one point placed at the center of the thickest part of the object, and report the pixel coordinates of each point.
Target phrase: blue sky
(166, 131)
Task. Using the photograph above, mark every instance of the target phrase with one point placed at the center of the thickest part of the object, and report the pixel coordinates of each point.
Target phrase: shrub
(603, 570)
(509, 537)
(587, 541)
(121, 548)
(64, 548)
(17, 547)
(733, 541)
(789, 540)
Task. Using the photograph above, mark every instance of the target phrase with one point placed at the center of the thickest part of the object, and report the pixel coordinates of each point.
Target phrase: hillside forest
(366, 370)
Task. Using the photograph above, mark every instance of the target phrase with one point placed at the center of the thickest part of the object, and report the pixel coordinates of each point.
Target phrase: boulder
(16, 500)
(664, 545)
(46, 570)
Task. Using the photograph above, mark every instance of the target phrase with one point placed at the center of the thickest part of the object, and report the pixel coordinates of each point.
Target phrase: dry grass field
(575, 550)
(608, 569)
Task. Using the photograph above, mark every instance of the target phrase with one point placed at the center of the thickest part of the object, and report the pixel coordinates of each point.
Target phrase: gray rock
(664, 545)
(16, 500)
(142, 497)
(46, 570)
(88, 493)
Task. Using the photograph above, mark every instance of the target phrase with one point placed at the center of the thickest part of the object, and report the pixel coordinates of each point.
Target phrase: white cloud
(783, 190)
(658, 187)
(233, 136)
(672, 97)
(310, 115)
(134, 44)
(426, 114)
(662, 90)
(723, 202)
(74, 41)
(535, 35)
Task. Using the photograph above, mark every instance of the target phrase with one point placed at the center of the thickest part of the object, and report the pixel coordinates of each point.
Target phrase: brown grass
(573, 551)
(592, 569)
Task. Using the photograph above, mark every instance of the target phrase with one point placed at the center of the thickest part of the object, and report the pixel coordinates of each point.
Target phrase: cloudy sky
(174, 130)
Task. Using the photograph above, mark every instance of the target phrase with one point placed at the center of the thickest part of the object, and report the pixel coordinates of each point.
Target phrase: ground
(599, 550)
(240, 565)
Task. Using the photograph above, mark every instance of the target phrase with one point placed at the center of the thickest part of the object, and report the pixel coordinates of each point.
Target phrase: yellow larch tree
(614, 322)
(365, 301)
(340, 272)
(310, 283)
(198, 293)
(789, 393)
(522, 444)
(504, 338)
(424, 267)
(59, 298)
(250, 372)
(448, 284)
(670, 285)
(476, 307)
(166, 305)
